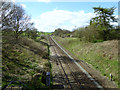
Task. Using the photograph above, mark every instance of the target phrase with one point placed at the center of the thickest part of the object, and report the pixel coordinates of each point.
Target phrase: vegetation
(104, 17)
(102, 21)
(16, 21)
(42, 35)
(25, 62)
(92, 34)
(25, 59)
(102, 56)
(97, 43)
(62, 33)
(25, 52)
(99, 29)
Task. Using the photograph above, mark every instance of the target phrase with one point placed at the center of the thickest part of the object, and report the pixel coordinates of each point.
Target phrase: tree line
(99, 28)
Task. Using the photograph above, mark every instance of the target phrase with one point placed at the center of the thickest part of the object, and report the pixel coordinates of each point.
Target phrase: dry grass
(21, 61)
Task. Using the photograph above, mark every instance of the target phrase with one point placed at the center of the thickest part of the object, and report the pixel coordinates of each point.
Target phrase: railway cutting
(72, 74)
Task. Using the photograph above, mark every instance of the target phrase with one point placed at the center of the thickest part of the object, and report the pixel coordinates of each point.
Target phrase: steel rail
(88, 75)
(71, 71)
(62, 68)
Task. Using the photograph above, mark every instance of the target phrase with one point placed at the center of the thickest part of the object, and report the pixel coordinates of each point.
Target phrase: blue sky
(48, 16)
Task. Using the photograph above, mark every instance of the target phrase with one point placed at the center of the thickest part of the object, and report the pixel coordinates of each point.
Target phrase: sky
(48, 16)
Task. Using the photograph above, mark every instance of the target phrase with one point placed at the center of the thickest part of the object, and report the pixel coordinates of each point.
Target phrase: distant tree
(62, 32)
(57, 32)
(34, 34)
(103, 18)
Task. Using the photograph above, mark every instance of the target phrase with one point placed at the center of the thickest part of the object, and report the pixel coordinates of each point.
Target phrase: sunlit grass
(94, 54)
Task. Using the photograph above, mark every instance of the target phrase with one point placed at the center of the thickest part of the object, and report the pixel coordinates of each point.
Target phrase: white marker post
(111, 76)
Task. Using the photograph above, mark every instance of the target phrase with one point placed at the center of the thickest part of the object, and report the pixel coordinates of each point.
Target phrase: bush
(95, 41)
(96, 34)
(42, 37)
(89, 33)
(62, 33)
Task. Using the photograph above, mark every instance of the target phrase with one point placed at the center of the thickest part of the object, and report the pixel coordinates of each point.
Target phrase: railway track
(73, 77)
(60, 67)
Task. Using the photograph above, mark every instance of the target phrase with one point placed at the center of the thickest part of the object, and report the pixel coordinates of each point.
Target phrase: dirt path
(72, 74)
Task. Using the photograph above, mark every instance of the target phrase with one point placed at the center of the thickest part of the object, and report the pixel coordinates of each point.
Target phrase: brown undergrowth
(24, 62)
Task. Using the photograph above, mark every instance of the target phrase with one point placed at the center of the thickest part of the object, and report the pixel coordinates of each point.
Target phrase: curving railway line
(67, 73)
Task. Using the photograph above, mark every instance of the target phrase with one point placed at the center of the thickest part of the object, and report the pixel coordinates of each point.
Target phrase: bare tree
(14, 18)
(6, 10)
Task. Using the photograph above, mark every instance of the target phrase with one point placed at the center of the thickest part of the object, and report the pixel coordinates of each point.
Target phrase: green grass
(93, 53)
(44, 33)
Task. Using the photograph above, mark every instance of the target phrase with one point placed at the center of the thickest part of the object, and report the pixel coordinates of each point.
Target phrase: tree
(14, 18)
(6, 15)
(20, 21)
(62, 32)
(34, 34)
(31, 31)
(103, 18)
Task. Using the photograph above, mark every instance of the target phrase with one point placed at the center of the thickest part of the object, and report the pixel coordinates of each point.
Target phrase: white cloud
(115, 23)
(23, 5)
(51, 20)
(8, 1)
(43, 0)
(27, 1)
(13, 1)
(63, 0)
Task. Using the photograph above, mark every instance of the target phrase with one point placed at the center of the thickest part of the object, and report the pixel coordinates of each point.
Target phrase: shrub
(95, 41)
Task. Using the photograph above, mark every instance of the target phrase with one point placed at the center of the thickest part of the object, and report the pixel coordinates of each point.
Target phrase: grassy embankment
(27, 62)
(103, 56)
